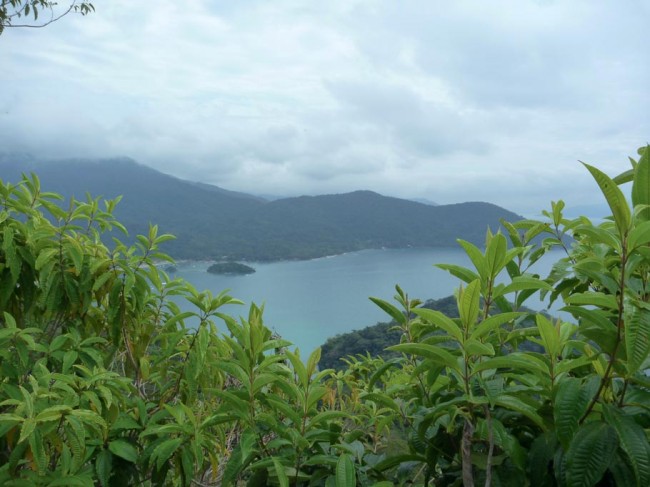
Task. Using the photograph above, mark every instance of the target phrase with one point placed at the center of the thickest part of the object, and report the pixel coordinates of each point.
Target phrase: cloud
(466, 100)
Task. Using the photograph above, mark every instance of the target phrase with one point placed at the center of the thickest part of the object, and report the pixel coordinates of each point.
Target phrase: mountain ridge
(215, 223)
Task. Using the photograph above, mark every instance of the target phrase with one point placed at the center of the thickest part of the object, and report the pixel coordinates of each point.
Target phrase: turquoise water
(308, 301)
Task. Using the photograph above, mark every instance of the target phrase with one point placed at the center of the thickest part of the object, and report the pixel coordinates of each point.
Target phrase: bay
(307, 302)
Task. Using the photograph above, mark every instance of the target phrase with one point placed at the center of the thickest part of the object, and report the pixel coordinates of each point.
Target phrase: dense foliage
(230, 268)
(375, 339)
(214, 224)
(103, 383)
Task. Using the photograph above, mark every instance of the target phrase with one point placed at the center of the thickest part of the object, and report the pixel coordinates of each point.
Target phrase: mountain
(214, 223)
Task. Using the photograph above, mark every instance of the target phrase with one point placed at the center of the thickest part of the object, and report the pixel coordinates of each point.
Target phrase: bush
(103, 383)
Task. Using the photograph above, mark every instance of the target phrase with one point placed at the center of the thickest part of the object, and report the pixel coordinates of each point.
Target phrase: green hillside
(213, 223)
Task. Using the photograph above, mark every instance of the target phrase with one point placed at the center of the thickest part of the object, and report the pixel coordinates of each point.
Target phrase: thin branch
(52, 20)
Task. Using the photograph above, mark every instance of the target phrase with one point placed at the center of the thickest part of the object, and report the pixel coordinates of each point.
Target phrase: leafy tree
(37, 13)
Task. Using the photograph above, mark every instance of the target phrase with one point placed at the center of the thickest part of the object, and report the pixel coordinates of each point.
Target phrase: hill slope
(214, 223)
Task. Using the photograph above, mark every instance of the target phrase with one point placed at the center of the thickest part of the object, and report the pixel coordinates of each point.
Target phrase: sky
(449, 101)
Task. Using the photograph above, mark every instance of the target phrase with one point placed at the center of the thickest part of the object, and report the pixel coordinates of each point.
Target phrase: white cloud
(453, 101)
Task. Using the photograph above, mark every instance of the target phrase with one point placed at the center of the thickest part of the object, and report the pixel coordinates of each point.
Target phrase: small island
(230, 268)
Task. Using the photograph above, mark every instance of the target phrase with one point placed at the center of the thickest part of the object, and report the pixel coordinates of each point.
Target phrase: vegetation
(375, 340)
(230, 268)
(25, 13)
(104, 384)
(214, 224)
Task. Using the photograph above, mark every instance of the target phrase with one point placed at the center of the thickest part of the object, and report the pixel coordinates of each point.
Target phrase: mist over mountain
(213, 223)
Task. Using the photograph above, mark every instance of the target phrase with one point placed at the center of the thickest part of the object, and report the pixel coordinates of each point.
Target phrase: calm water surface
(308, 301)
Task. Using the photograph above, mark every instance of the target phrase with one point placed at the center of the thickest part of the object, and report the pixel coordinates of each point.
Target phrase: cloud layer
(450, 101)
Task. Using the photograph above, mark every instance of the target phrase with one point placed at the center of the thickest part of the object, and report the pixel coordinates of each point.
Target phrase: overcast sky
(488, 100)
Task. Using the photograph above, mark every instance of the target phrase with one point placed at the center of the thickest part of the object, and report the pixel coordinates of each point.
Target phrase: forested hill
(215, 223)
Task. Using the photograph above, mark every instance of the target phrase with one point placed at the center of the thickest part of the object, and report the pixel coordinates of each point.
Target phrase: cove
(307, 302)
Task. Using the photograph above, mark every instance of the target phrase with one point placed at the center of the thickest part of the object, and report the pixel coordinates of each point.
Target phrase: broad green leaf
(469, 304)
(441, 321)
(615, 199)
(283, 480)
(27, 429)
(345, 473)
(474, 347)
(495, 254)
(515, 361)
(569, 405)
(641, 184)
(540, 456)
(124, 449)
(299, 368)
(639, 236)
(549, 334)
(313, 360)
(381, 371)
(477, 258)
(593, 299)
(590, 453)
(263, 380)
(460, 272)
(633, 441)
(165, 450)
(637, 338)
(395, 313)
(486, 326)
(521, 283)
(394, 460)
(104, 467)
(514, 404)
(38, 451)
(431, 352)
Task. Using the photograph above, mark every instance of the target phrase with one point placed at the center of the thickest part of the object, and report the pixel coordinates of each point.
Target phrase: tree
(34, 13)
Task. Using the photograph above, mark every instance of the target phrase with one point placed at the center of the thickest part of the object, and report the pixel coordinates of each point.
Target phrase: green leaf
(477, 258)
(641, 184)
(395, 313)
(299, 368)
(639, 236)
(633, 441)
(441, 321)
(53, 413)
(27, 429)
(517, 405)
(104, 467)
(460, 272)
(474, 347)
(345, 473)
(495, 254)
(486, 326)
(569, 405)
(589, 454)
(601, 300)
(313, 360)
(615, 199)
(540, 457)
(515, 361)
(431, 352)
(165, 450)
(521, 283)
(469, 303)
(549, 334)
(279, 471)
(637, 338)
(38, 451)
(124, 449)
